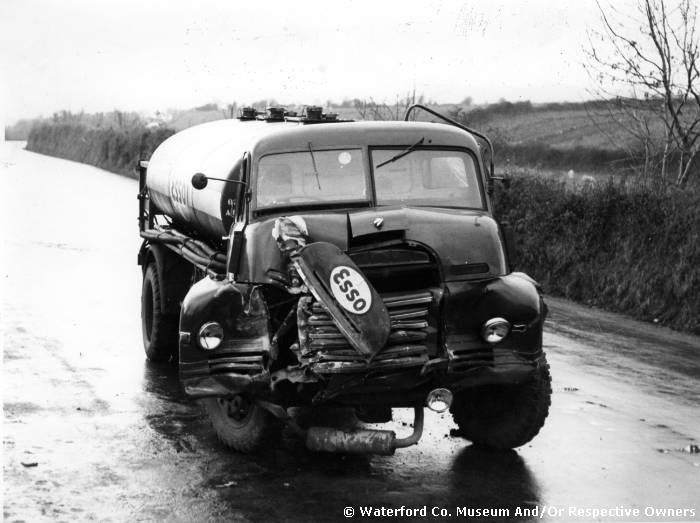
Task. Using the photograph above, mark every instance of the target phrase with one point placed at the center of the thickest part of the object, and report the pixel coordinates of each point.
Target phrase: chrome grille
(326, 351)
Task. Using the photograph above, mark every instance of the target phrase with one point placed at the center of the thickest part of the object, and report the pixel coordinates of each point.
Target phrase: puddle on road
(180, 421)
(161, 380)
(286, 468)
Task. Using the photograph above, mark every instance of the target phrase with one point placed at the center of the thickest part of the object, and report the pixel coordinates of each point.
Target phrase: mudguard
(349, 297)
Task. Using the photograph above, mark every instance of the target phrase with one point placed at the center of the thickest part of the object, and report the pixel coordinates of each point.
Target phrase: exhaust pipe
(439, 400)
(383, 442)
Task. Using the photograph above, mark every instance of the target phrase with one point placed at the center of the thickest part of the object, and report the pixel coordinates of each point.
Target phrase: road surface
(93, 432)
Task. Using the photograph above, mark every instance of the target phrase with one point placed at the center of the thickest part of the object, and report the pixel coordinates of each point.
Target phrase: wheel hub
(236, 408)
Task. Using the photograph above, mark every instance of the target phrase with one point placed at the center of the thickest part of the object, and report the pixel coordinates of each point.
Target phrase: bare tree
(372, 110)
(230, 111)
(648, 66)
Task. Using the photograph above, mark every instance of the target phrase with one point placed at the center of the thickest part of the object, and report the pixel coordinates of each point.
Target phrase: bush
(114, 149)
(627, 249)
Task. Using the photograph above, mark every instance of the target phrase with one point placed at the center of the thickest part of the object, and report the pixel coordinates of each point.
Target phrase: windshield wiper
(313, 161)
(402, 153)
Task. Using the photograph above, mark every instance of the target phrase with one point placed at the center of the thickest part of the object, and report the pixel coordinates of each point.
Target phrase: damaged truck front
(310, 262)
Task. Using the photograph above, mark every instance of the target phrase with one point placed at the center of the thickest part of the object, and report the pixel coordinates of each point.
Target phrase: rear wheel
(239, 423)
(504, 416)
(159, 329)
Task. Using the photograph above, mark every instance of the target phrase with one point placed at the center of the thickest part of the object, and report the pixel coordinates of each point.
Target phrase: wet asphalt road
(93, 432)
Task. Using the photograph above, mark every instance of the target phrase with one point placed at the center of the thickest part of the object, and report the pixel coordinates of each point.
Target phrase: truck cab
(350, 265)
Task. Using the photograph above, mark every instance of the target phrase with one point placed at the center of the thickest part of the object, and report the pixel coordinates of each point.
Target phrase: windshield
(311, 176)
(426, 177)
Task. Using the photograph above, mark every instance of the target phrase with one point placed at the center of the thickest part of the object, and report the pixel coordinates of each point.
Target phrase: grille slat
(233, 356)
(326, 350)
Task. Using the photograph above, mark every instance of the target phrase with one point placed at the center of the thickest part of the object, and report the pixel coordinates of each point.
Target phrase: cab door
(238, 207)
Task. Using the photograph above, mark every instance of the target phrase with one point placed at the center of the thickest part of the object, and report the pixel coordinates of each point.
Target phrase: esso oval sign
(350, 290)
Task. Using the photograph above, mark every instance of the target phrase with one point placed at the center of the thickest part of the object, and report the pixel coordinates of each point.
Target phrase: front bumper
(434, 342)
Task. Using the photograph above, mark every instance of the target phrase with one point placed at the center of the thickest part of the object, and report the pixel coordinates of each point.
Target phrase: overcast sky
(155, 54)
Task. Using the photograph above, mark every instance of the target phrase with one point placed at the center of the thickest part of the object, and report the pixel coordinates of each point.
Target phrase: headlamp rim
(490, 324)
(201, 332)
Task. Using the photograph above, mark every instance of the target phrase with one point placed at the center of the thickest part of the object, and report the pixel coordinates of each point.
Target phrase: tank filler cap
(314, 113)
(275, 114)
(248, 113)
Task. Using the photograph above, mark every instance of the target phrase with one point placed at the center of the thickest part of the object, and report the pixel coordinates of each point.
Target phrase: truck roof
(374, 133)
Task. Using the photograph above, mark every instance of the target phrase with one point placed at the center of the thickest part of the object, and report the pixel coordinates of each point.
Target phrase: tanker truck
(308, 263)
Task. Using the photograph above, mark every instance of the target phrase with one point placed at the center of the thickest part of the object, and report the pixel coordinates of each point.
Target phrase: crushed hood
(465, 243)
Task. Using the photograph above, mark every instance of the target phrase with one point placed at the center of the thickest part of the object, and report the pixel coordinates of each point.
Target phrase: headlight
(210, 335)
(495, 330)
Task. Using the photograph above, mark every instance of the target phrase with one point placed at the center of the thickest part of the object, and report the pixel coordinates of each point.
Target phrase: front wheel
(160, 330)
(239, 423)
(504, 416)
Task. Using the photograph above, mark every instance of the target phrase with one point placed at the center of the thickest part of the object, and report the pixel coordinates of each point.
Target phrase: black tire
(160, 330)
(504, 416)
(239, 423)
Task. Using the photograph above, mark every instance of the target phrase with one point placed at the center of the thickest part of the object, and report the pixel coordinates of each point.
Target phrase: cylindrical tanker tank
(215, 149)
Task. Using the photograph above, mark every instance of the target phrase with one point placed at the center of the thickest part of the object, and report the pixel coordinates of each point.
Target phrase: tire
(239, 424)
(160, 330)
(504, 416)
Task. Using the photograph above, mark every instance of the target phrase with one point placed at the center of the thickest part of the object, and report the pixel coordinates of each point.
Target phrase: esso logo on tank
(350, 290)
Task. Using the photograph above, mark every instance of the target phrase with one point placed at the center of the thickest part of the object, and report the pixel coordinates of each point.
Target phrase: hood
(466, 243)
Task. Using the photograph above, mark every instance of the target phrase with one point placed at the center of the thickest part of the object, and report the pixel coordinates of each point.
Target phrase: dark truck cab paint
(347, 265)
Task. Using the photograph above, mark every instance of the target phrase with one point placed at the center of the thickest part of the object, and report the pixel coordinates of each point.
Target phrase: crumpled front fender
(240, 308)
(242, 358)
(515, 297)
